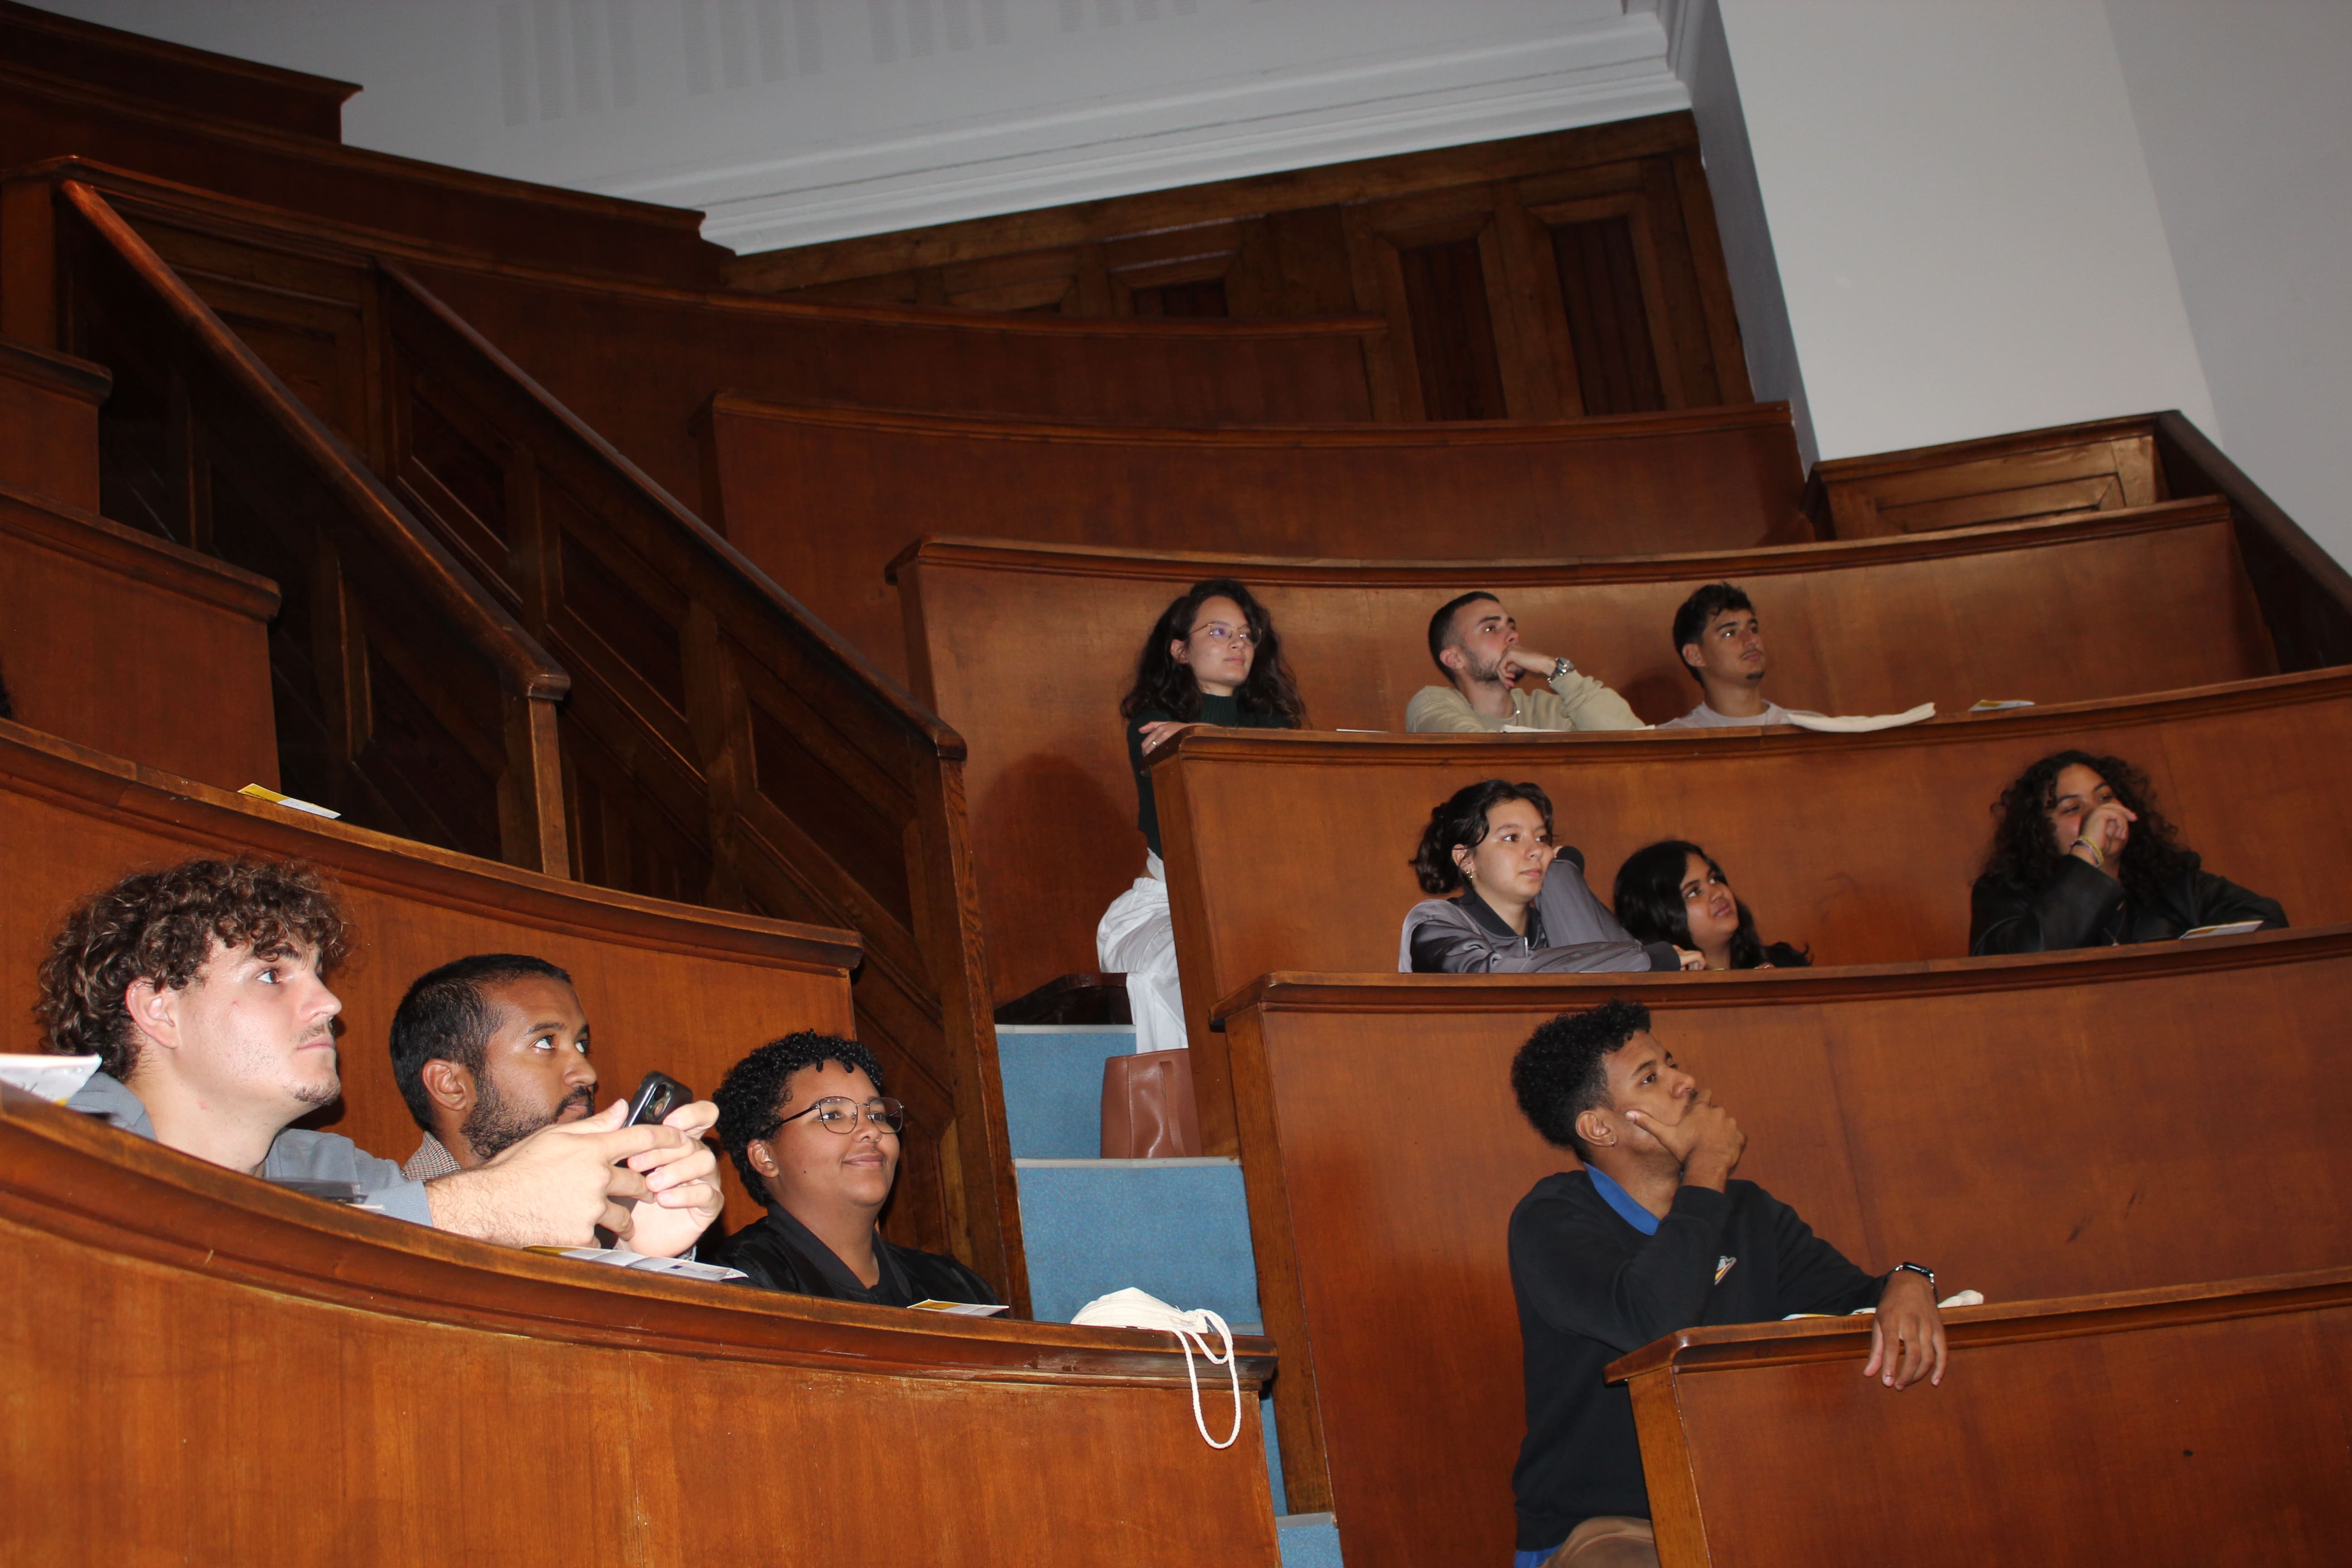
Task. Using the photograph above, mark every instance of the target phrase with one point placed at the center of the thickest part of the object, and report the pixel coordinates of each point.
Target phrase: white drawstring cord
(1185, 1336)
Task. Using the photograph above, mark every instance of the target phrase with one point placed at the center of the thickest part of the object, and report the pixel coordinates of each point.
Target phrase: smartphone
(657, 1095)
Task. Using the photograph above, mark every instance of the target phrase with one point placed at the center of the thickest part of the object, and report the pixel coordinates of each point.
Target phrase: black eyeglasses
(838, 1113)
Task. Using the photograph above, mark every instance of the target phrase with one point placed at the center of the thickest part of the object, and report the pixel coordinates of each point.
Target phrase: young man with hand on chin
(1652, 1236)
(202, 989)
(1476, 644)
(489, 1049)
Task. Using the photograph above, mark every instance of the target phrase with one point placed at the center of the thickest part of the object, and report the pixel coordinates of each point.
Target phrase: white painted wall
(1963, 221)
(792, 122)
(2246, 111)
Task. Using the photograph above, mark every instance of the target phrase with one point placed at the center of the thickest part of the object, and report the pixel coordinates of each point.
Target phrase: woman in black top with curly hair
(2081, 857)
(1212, 657)
(1674, 892)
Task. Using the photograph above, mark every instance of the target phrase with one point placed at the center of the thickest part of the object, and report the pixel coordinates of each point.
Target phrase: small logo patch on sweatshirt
(1722, 1267)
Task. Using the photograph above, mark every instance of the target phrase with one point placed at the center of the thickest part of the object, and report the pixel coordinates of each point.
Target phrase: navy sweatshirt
(1590, 1287)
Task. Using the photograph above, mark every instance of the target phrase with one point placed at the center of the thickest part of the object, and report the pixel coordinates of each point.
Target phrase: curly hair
(160, 926)
(1648, 900)
(749, 1094)
(2025, 853)
(445, 1017)
(1459, 821)
(1163, 686)
(1557, 1075)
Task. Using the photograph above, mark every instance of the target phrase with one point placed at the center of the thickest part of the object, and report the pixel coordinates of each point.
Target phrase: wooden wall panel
(2002, 479)
(638, 364)
(172, 77)
(45, 117)
(116, 639)
(1575, 272)
(2028, 1126)
(48, 422)
(212, 1371)
(822, 499)
(1863, 846)
(685, 990)
(2083, 1415)
(2102, 606)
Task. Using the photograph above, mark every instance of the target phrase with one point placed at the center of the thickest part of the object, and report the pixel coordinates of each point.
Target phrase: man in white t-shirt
(1722, 645)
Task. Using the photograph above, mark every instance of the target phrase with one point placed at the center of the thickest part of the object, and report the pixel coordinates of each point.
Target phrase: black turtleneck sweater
(1226, 711)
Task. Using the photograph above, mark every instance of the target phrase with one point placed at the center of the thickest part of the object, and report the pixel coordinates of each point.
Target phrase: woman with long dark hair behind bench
(2081, 857)
(1212, 657)
(1674, 892)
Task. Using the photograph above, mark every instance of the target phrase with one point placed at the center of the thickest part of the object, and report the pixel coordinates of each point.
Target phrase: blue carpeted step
(1053, 1085)
(1176, 1228)
(1308, 1540)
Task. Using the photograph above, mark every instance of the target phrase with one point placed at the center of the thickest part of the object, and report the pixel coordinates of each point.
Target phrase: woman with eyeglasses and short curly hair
(814, 1137)
(1212, 657)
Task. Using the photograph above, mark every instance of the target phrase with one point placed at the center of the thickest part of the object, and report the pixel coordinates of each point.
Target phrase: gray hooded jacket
(1568, 932)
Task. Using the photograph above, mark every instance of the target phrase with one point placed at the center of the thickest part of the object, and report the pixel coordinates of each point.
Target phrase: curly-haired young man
(1651, 1237)
(202, 989)
(806, 1122)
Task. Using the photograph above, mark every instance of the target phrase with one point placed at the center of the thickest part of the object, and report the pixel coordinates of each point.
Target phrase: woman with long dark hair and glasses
(1212, 657)
(2081, 857)
(814, 1139)
(1519, 904)
(1674, 892)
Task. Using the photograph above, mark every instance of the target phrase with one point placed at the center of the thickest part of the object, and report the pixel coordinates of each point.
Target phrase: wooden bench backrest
(1861, 846)
(2028, 1127)
(1027, 650)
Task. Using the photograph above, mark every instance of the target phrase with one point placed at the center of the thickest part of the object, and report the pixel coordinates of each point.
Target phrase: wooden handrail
(258, 467)
(717, 716)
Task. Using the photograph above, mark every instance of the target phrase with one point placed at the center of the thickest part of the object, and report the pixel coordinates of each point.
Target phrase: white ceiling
(792, 122)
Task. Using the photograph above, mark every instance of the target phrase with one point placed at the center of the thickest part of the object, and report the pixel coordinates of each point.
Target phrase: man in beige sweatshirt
(1476, 643)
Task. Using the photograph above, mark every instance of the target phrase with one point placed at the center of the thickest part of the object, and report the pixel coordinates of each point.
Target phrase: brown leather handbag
(1148, 1110)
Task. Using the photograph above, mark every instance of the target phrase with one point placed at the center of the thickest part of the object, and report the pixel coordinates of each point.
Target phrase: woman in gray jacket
(1520, 905)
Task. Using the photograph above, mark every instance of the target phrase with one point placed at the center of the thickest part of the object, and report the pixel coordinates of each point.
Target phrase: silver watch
(1560, 667)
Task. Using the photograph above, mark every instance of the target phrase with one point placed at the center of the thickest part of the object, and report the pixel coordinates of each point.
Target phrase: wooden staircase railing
(719, 745)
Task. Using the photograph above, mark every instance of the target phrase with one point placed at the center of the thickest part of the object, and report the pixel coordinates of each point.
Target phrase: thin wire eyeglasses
(837, 1114)
(1217, 631)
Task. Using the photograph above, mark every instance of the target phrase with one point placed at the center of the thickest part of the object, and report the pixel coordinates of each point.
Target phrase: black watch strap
(1921, 1269)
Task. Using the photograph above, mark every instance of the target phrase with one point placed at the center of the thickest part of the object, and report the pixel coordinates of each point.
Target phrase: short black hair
(446, 1017)
(1461, 819)
(1698, 612)
(748, 1096)
(1440, 626)
(1558, 1076)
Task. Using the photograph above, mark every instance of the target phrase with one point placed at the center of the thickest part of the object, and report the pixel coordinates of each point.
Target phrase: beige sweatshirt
(1574, 702)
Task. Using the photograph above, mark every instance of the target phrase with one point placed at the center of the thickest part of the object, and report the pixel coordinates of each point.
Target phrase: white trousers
(1137, 936)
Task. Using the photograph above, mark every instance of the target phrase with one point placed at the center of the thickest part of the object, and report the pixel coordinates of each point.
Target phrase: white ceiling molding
(794, 122)
(1218, 132)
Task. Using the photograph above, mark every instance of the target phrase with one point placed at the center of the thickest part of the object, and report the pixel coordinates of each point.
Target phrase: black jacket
(782, 1254)
(2083, 907)
(1214, 709)
(1591, 1288)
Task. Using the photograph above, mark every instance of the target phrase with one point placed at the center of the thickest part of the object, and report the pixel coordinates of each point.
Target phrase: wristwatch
(1921, 1269)
(1560, 667)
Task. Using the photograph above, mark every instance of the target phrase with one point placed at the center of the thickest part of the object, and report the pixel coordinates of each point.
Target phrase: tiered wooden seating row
(2189, 1424)
(1863, 846)
(224, 1371)
(687, 991)
(824, 498)
(717, 746)
(2101, 606)
(168, 77)
(2028, 1126)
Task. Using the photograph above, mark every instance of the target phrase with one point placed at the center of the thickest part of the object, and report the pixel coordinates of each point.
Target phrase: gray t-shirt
(296, 1154)
(1705, 718)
